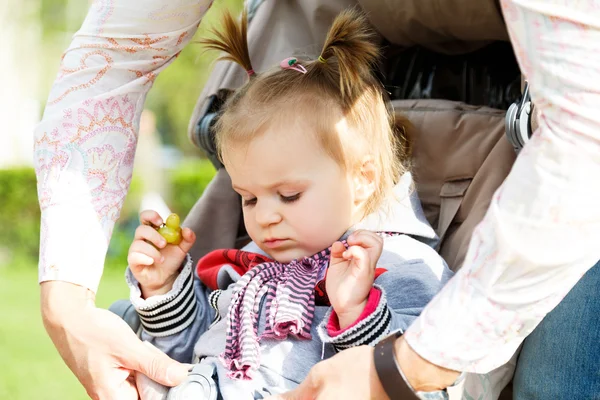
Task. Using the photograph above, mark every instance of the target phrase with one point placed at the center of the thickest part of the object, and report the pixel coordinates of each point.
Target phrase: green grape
(171, 231)
(173, 221)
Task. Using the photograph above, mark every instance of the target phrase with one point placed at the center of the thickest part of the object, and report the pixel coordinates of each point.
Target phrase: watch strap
(389, 372)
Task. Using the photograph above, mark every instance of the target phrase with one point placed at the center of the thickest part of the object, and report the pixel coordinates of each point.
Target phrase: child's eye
(290, 199)
(249, 202)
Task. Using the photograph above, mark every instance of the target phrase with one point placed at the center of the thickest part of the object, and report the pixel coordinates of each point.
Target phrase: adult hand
(351, 375)
(99, 347)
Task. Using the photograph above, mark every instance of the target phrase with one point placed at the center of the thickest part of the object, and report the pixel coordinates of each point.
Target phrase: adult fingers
(156, 365)
(127, 390)
(111, 382)
(308, 389)
(148, 389)
(291, 395)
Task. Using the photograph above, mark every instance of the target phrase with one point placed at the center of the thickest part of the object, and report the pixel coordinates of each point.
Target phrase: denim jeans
(561, 357)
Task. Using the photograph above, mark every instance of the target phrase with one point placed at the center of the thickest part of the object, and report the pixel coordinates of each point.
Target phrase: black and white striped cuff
(170, 313)
(369, 331)
(213, 300)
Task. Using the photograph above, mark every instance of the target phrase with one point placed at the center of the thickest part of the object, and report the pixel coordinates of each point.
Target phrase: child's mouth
(274, 243)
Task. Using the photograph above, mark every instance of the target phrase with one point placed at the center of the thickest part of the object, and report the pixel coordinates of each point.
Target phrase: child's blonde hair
(338, 95)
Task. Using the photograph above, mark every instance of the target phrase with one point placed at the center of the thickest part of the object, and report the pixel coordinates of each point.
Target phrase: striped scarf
(290, 308)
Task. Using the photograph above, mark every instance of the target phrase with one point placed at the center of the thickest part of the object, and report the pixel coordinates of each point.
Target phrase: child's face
(297, 200)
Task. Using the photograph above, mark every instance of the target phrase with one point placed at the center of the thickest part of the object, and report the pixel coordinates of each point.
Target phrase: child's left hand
(351, 274)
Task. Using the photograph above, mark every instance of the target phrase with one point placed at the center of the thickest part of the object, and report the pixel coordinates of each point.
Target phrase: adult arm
(83, 156)
(540, 234)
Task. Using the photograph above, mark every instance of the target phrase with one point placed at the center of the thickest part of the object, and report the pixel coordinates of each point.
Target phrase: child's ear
(365, 180)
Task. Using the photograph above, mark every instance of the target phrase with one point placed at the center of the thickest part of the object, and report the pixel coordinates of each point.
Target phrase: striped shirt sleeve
(371, 326)
(170, 313)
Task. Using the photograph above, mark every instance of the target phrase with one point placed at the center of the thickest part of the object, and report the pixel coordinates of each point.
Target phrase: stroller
(451, 74)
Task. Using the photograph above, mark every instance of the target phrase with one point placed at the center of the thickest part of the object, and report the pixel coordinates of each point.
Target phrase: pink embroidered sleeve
(86, 141)
(541, 232)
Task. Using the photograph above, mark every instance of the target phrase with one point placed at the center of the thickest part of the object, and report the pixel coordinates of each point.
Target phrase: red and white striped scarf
(290, 308)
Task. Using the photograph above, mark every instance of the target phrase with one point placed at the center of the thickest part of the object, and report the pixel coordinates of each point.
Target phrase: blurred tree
(176, 89)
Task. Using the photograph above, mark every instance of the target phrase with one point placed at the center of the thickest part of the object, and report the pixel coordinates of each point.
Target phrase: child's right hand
(155, 264)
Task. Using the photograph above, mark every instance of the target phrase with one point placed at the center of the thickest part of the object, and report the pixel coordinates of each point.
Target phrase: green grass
(31, 366)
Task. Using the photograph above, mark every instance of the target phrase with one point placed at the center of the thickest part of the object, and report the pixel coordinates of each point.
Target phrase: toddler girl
(310, 148)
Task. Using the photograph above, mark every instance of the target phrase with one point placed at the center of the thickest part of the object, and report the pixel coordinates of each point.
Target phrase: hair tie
(292, 63)
(322, 60)
(250, 72)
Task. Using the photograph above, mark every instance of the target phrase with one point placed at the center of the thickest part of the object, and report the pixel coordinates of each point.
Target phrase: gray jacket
(189, 323)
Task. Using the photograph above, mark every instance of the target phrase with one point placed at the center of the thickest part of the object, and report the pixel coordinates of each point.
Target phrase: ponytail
(348, 55)
(232, 40)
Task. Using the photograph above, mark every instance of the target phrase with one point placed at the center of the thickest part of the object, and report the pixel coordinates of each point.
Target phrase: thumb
(158, 366)
(188, 238)
(337, 251)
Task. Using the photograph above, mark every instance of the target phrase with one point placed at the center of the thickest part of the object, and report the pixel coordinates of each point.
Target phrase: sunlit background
(33, 36)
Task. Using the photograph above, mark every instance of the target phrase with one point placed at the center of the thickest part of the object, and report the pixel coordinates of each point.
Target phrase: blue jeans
(561, 357)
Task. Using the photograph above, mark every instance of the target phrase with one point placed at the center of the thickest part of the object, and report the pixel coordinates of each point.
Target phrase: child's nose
(267, 214)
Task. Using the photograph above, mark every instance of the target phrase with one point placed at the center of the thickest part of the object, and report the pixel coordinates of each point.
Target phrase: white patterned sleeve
(541, 232)
(86, 141)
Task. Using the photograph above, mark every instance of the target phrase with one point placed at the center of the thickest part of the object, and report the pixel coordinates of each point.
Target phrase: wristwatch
(389, 372)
